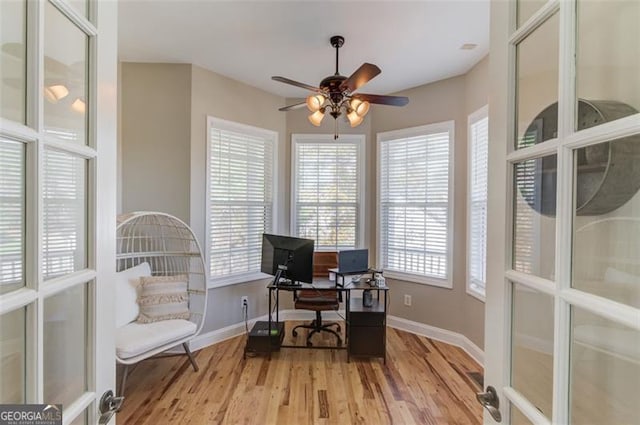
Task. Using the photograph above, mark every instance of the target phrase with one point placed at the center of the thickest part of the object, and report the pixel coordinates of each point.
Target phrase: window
(415, 203)
(478, 148)
(328, 190)
(241, 179)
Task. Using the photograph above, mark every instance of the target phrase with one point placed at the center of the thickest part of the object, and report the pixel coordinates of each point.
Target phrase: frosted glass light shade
(55, 93)
(354, 119)
(316, 117)
(315, 102)
(360, 107)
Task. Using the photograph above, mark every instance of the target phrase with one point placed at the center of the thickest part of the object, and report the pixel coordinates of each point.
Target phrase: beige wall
(222, 97)
(451, 99)
(210, 94)
(155, 121)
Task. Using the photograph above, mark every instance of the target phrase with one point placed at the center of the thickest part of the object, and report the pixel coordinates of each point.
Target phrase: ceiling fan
(337, 94)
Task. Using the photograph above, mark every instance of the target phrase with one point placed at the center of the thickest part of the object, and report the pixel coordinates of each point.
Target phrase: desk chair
(319, 300)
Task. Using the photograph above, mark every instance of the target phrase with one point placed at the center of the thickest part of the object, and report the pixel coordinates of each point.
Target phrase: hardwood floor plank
(423, 382)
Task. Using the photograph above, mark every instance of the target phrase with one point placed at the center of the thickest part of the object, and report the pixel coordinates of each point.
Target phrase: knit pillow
(163, 298)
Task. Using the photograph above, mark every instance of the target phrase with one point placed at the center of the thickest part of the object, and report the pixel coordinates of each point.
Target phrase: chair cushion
(127, 282)
(163, 298)
(136, 338)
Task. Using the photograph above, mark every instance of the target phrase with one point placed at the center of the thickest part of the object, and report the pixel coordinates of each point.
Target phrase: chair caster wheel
(309, 344)
(295, 333)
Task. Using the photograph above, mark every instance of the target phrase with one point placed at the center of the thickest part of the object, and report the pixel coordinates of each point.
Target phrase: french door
(563, 297)
(57, 203)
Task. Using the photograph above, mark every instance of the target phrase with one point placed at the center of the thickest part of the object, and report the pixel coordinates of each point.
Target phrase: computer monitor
(287, 257)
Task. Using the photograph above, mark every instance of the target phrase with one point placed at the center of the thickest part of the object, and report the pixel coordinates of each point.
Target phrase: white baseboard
(453, 338)
(438, 334)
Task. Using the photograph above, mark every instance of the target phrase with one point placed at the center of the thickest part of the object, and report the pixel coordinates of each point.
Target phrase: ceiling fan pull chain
(335, 131)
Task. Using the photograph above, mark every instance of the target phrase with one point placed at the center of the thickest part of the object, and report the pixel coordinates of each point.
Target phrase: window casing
(328, 190)
(240, 199)
(415, 203)
(478, 146)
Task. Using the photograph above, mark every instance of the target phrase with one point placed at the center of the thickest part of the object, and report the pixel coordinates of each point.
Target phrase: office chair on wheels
(319, 300)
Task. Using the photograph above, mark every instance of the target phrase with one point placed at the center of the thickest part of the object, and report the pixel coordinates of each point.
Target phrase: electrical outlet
(407, 300)
(244, 301)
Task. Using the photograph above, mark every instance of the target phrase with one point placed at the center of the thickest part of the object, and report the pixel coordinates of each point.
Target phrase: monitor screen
(353, 261)
(296, 254)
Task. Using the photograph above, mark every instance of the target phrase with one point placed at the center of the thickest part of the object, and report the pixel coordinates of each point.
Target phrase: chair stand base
(123, 381)
(317, 326)
(190, 355)
(125, 370)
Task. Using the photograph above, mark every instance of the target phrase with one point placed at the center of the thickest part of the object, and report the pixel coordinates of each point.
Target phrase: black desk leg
(347, 314)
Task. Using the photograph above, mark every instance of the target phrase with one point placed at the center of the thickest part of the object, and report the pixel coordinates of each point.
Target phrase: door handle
(490, 401)
(109, 405)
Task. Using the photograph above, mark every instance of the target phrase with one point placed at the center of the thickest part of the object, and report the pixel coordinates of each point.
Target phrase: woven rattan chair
(170, 248)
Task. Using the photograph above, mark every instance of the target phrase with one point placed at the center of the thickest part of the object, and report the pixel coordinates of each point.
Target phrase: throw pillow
(127, 282)
(163, 298)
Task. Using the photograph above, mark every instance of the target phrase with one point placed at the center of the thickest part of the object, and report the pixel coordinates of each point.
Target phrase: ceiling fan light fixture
(315, 102)
(55, 93)
(361, 108)
(316, 117)
(354, 119)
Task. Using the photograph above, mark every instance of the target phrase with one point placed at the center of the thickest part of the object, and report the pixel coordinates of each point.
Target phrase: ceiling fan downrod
(337, 41)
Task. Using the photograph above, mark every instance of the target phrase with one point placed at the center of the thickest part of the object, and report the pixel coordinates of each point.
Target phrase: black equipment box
(260, 340)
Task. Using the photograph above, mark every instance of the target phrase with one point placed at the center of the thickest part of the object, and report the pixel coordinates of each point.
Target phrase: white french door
(563, 279)
(58, 69)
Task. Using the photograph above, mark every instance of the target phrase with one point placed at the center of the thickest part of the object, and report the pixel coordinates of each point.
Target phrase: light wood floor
(423, 382)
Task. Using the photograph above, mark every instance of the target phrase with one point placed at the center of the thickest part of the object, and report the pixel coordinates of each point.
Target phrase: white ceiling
(413, 42)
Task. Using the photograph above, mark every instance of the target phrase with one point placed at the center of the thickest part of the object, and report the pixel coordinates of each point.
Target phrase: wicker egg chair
(170, 248)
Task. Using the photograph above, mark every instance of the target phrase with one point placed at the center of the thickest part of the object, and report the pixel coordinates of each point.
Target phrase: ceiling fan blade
(360, 77)
(292, 107)
(295, 83)
(382, 100)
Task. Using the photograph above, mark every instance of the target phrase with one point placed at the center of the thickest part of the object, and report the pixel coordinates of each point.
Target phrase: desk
(365, 326)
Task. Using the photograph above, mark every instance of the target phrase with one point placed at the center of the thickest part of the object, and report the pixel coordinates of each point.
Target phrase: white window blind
(12, 210)
(64, 214)
(415, 202)
(477, 202)
(240, 197)
(327, 193)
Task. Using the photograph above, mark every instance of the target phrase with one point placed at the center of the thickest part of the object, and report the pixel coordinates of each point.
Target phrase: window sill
(416, 278)
(476, 293)
(237, 278)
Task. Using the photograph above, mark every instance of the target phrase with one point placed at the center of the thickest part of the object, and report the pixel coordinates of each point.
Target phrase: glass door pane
(606, 239)
(532, 346)
(12, 212)
(534, 221)
(526, 9)
(608, 59)
(64, 214)
(13, 357)
(65, 78)
(537, 85)
(66, 344)
(13, 63)
(605, 371)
